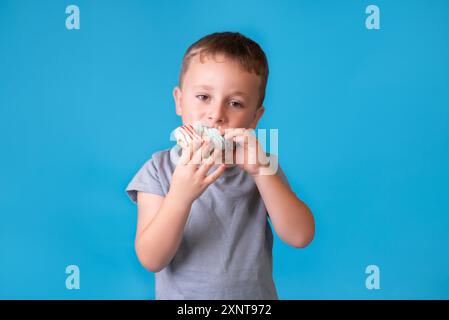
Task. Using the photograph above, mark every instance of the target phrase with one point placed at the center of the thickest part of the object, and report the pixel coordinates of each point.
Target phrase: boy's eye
(202, 97)
(236, 104)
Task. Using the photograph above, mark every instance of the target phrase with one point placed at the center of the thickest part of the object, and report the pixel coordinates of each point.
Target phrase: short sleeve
(145, 180)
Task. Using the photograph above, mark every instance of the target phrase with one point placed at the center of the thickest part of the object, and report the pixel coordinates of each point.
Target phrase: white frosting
(186, 133)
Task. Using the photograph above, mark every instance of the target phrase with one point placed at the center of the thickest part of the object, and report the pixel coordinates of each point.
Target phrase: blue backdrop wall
(363, 119)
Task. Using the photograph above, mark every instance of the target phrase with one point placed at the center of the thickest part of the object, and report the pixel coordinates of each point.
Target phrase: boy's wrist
(176, 198)
(263, 169)
(267, 168)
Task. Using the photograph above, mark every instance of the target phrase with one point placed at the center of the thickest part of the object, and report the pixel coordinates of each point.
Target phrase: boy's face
(218, 92)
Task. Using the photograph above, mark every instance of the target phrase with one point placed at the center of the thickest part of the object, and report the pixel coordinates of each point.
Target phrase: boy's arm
(160, 225)
(291, 218)
(162, 219)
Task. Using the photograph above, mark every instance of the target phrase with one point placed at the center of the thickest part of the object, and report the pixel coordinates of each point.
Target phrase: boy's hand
(190, 177)
(249, 153)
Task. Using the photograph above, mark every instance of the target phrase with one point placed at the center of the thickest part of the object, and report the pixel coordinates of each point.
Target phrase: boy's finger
(196, 144)
(217, 155)
(215, 175)
(197, 153)
(186, 154)
(205, 166)
(188, 150)
(206, 150)
(239, 132)
(234, 132)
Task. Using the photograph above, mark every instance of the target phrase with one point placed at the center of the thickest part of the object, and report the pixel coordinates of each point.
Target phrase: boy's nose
(217, 115)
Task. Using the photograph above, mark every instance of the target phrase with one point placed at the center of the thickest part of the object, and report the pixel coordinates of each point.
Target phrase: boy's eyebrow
(203, 86)
(206, 87)
(239, 93)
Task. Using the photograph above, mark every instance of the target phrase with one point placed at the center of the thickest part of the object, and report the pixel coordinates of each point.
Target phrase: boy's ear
(258, 114)
(177, 95)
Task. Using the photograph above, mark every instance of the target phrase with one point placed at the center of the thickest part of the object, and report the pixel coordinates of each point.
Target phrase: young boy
(205, 232)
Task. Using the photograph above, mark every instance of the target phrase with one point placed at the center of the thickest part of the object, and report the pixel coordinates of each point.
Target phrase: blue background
(363, 119)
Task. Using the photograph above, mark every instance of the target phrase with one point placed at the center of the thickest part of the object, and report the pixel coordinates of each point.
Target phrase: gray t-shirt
(226, 248)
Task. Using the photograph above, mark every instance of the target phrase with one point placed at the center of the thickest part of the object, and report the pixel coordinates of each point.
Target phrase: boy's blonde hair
(235, 46)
